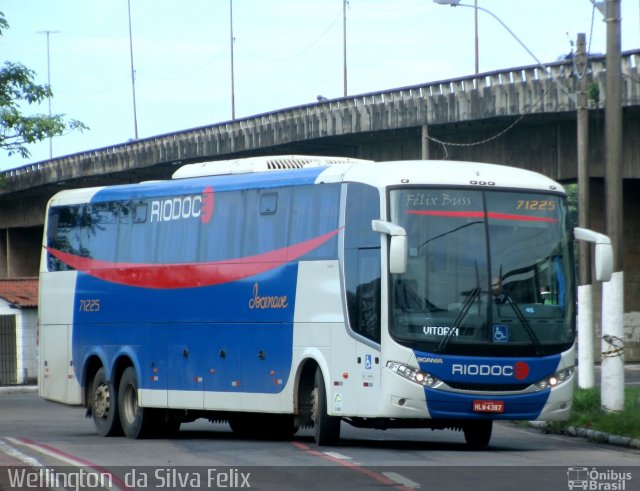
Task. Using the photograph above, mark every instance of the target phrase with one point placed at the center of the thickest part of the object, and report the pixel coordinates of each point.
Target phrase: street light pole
(456, 3)
(48, 33)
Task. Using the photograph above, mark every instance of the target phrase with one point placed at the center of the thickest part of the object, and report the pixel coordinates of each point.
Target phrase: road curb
(589, 434)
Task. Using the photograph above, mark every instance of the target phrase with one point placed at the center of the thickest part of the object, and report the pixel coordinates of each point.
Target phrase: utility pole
(233, 94)
(476, 40)
(585, 289)
(344, 45)
(612, 382)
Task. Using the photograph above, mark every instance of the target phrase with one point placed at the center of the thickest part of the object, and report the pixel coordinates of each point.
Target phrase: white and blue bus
(289, 292)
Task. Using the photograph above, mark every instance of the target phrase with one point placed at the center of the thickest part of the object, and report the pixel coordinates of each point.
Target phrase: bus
(289, 292)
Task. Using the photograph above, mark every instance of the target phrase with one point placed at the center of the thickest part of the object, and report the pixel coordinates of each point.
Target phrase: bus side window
(62, 234)
(367, 298)
(140, 212)
(362, 260)
(314, 211)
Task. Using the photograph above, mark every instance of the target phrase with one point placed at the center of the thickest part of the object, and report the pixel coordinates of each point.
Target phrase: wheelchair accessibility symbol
(367, 362)
(501, 333)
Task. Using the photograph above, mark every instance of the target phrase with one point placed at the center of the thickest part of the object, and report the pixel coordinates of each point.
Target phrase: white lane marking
(17, 454)
(337, 455)
(400, 479)
(56, 455)
(116, 482)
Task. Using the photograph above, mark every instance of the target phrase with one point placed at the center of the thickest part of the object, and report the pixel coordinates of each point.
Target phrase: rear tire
(478, 433)
(104, 406)
(136, 421)
(326, 429)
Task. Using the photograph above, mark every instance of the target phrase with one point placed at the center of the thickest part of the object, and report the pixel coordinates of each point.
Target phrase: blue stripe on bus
(232, 337)
(488, 370)
(450, 405)
(482, 372)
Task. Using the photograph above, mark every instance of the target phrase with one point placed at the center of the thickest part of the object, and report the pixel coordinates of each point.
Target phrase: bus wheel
(478, 433)
(104, 406)
(326, 428)
(135, 420)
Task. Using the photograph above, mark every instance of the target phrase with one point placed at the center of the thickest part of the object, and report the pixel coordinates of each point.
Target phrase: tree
(17, 130)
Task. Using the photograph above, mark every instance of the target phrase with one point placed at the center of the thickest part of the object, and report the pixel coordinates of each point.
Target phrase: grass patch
(586, 413)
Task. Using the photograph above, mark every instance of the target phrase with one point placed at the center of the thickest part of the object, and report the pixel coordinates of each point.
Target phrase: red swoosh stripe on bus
(480, 214)
(189, 275)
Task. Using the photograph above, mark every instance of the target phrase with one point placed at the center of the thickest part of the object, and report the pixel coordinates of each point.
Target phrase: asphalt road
(40, 436)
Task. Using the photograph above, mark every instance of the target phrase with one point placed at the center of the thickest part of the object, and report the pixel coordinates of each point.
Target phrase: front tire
(104, 406)
(136, 421)
(326, 429)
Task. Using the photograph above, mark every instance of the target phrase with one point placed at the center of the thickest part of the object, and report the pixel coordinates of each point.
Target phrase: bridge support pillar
(20, 252)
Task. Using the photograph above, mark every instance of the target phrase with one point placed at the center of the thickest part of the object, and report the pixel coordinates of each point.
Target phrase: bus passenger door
(364, 317)
(57, 376)
(57, 373)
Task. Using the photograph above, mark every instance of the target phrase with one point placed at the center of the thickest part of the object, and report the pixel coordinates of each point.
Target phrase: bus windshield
(487, 273)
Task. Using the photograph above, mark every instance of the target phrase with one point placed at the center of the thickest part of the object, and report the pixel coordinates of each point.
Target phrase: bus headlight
(413, 374)
(556, 379)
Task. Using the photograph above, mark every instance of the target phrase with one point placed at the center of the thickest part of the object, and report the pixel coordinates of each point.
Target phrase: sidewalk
(18, 389)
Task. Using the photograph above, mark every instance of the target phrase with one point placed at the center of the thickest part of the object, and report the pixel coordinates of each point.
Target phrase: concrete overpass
(522, 116)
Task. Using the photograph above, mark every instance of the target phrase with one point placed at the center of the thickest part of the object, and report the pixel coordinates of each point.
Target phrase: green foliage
(593, 92)
(17, 87)
(572, 203)
(587, 413)
(4, 25)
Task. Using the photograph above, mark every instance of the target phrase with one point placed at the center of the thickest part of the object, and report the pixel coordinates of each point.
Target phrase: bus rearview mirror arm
(603, 251)
(397, 247)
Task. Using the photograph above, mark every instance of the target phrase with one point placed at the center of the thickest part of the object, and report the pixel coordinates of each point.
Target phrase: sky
(285, 53)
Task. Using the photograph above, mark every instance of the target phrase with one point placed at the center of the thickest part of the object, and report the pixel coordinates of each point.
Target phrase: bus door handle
(261, 355)
(185, 352)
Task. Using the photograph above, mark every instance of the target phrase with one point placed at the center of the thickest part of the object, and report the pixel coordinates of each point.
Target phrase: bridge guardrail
(504, 92)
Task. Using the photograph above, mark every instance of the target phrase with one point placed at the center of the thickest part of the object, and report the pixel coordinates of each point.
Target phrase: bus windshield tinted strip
(481, 214)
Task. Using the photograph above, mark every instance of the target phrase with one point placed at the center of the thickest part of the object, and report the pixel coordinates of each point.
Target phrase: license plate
(488, 406)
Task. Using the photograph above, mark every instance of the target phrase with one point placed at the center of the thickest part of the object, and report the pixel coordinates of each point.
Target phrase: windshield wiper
(504, 297)
(473, 294)
(449, 232)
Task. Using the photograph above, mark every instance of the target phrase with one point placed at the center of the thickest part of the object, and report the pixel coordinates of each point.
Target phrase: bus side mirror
(603, 251)
(397, 247)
